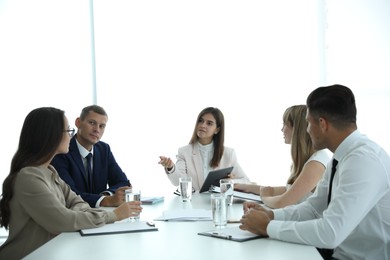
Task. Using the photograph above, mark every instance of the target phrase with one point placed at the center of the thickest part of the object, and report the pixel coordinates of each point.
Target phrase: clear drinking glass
(227, 188)
(185, 188)
(133, 195)
(219, 209)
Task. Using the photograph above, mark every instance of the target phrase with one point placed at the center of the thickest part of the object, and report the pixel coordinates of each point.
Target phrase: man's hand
(249, 205)
(115, 200)
(255, 221)
(256, 218)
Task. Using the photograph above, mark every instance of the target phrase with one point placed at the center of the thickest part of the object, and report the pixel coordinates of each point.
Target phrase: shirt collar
(206, 147)
(83, 152)
(344, 146)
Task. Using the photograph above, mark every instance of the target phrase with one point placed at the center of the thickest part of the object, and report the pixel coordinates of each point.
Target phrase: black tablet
(213, 178)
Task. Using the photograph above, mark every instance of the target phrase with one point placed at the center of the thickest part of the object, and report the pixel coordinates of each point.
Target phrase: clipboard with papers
(231, 233)
(117, 228)
(239, 194)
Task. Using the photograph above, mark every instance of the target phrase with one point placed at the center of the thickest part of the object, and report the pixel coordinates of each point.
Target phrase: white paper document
(186, 215)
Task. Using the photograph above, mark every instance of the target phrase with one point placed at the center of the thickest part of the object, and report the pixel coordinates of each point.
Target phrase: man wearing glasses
(89, 167)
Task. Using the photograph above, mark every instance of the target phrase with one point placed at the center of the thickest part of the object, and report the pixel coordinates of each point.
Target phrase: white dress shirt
(357, 221)
(83, 153)
(206, 152)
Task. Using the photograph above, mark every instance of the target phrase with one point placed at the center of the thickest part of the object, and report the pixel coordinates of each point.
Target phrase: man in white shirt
(355, 220)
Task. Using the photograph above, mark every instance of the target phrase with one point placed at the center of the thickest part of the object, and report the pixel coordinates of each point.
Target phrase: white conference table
(173, 240)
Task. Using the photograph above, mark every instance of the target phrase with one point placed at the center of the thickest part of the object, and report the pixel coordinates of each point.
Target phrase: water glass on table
(227, 188)
(219, 209)
(133, 195)
(185, 183)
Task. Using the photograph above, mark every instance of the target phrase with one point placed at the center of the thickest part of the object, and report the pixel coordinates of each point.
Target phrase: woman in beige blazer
(205, 152)
(36, 204)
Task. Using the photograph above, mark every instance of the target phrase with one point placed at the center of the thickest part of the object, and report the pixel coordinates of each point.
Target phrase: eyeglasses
(70, 131)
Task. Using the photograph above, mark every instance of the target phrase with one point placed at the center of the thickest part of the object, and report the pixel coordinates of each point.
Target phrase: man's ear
(323, 124)
(77, 122)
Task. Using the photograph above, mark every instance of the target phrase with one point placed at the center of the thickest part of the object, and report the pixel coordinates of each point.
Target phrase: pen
(233, 221)
(215, 234)
(150, 223)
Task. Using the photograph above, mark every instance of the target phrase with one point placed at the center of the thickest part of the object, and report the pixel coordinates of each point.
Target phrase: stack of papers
(239, 194)
(186, 215)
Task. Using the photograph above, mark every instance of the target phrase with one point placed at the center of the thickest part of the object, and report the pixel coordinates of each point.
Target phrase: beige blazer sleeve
(44, 206)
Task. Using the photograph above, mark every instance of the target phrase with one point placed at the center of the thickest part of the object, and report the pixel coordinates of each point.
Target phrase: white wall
(45, 60)
(174, 58)
(252, 59)
(358, 55)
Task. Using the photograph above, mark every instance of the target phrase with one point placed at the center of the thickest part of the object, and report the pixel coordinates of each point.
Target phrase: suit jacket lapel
(75, 154)
(198, 165)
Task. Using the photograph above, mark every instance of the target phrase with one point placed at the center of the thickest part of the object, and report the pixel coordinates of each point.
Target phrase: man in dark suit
(99, 180)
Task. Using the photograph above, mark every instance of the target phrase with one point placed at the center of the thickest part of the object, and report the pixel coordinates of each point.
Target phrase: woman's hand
(128, 209)
(248, 188)
(166, 162)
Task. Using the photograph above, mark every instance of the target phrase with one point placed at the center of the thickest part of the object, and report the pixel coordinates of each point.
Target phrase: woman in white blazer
(205, 152)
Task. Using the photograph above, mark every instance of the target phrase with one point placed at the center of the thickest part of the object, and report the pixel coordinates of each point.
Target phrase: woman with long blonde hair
(307, 168)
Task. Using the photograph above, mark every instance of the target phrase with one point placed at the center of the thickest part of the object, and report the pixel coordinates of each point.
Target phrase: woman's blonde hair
(301, 144)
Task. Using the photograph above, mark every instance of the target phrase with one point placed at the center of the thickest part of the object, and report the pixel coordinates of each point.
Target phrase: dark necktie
(89, 172)
(327, 253)
(334, 164)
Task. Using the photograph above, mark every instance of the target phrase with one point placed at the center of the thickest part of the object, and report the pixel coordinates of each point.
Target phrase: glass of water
(133, 195)
(185, 183)
(227, 188)
(219, 209)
